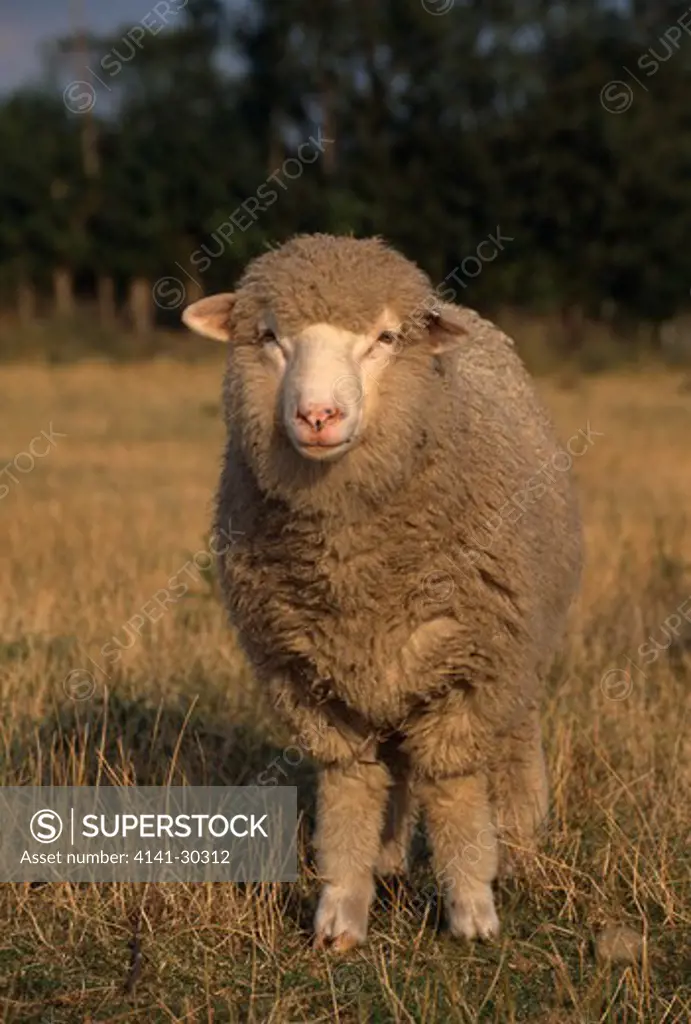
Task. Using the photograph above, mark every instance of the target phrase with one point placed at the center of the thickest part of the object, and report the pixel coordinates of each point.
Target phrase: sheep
(377, 435)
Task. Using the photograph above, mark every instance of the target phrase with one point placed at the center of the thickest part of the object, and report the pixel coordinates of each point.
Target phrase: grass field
(96, 526)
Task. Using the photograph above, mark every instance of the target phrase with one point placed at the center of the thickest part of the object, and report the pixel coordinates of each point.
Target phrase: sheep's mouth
(323, 449)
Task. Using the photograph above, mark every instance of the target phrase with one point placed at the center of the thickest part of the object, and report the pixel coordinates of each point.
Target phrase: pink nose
(318, 416)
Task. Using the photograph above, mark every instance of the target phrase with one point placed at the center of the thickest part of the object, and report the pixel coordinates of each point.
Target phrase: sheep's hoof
(472, 915)
(341, 920)
(343, 943)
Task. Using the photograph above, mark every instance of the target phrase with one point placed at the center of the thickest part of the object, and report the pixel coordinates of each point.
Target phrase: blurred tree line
(205, 133)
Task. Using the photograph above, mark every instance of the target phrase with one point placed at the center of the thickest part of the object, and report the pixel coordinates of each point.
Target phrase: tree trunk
(573, 323)
(63, 292)
(26, 303)
(141, 306)
(328, 128)
(275, 148)
(105, 294)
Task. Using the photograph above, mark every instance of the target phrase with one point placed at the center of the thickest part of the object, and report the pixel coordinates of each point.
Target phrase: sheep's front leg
(465, 851)
(350, 816)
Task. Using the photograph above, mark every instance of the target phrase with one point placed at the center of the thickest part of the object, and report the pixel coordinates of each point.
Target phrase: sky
(25, 24)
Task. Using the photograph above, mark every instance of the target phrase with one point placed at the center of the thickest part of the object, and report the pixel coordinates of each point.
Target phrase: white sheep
(375, 436)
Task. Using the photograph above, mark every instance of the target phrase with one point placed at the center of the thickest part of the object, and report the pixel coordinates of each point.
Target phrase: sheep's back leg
(399, 822)
(521, 792)
(464, 851)
(350, 817)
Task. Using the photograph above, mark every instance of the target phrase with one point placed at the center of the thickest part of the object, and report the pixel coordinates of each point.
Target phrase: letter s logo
(46, 826)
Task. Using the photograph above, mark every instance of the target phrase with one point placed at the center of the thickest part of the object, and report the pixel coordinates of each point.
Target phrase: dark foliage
(566, 126)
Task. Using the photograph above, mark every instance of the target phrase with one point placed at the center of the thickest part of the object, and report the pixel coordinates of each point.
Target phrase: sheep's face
(325, 378)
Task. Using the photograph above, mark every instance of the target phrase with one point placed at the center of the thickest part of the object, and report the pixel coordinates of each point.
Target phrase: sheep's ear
(447, 326)
(209, 317)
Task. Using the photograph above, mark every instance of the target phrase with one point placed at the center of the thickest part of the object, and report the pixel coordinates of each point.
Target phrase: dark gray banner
(148, 834)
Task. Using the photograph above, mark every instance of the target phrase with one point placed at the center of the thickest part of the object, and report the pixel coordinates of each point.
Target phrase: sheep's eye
(387, 338)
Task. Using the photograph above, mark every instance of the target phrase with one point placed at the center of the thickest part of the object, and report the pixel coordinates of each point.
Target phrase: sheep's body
(402, 606)
(339, 602)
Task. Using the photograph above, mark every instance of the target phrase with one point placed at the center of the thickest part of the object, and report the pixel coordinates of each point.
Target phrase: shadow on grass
(125, 741)
(130, 740)
(122, 741)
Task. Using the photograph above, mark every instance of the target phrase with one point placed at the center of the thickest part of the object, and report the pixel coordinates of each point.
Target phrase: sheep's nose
(318, 416)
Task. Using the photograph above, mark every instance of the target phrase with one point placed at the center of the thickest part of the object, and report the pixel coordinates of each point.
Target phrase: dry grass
(118, 507)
